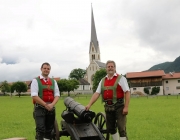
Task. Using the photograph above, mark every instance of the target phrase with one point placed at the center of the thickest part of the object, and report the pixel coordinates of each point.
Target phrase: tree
(77, 74)
(155, 90)
(19, 87)
(67, 85)
(5, 87)
(146, 90)
(97, 78)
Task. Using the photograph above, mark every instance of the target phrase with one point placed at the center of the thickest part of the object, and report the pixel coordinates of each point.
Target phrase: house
(171, 83)
(146, 79)
(168, 83)
(84, 87)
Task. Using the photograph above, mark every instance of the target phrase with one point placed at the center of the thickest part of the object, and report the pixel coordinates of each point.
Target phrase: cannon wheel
(55, 131)
(100, 122)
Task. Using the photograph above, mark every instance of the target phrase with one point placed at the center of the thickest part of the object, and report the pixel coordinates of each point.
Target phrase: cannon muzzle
(77, 109)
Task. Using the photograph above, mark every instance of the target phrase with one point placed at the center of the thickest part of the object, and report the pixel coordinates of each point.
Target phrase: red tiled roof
(171, 75)
(58, 78)
(145, 74)
(27, 82)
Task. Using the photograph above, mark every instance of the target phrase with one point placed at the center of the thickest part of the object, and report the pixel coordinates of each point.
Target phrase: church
(95, 63)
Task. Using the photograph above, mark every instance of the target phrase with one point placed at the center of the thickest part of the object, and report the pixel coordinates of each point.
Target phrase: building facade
(169, 84)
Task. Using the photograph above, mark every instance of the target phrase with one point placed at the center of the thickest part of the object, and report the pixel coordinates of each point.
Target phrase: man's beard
(111, 72)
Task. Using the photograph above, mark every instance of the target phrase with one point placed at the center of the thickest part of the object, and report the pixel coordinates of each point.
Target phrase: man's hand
(93, 99)
(87, 107)
(125, 110)
(49, 107)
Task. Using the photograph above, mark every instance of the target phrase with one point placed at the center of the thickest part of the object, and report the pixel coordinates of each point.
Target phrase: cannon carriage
(79, 124)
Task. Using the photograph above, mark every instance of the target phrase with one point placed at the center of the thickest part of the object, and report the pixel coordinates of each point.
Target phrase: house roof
(145, 74)
(171, 75)
(83, 82)
(27, 82)
(57, 78)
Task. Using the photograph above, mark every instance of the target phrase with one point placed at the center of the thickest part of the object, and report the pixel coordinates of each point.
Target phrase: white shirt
(35, 88)
(122, 82)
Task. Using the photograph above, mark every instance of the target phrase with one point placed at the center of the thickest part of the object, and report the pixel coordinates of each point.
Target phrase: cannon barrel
(78, 109)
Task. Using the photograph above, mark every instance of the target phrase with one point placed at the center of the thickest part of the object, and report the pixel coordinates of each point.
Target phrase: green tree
(5, 87)
(67, 85)
(155, 90)
(97, 78)
(77, 74)
(146, 90)
(19, 87)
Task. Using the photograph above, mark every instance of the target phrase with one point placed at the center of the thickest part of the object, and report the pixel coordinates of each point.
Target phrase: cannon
(78, 123)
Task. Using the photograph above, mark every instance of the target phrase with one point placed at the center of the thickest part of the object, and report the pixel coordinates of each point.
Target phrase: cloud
(136, 34)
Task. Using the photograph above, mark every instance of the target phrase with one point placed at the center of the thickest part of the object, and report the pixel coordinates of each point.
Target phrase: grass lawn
(156, 118)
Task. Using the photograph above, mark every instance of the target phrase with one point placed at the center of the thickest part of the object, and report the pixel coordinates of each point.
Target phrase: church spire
(94, 51)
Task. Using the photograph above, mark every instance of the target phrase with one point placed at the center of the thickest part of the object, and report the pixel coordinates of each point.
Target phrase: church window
(93, 68)
(92, 49)
(93, 56)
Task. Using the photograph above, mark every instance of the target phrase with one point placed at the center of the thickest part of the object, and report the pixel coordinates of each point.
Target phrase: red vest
(108, 93)
(46, 89)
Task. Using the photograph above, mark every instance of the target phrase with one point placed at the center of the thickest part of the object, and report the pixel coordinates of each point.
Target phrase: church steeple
(94, 51)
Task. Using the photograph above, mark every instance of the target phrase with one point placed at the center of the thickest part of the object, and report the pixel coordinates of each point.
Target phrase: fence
(157, 96)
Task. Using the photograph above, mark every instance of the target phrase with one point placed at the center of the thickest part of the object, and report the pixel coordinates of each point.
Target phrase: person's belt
(110, 102)
(120, 101)
(38, 105)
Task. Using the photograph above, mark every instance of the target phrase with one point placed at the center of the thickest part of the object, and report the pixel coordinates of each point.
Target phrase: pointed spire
(93, 32)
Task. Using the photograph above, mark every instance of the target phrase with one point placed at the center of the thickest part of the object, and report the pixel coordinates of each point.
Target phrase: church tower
(94, 51)
(95, 63)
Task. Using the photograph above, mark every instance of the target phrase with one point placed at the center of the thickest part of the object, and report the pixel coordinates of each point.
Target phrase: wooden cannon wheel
(100, 122)
(55, 131)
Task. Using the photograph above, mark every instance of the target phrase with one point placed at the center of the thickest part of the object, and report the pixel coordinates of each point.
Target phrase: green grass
(156, 118)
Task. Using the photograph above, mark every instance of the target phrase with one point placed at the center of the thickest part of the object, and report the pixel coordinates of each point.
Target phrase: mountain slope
(168, 66)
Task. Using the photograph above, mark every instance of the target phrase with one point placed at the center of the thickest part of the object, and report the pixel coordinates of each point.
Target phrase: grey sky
(137, 34)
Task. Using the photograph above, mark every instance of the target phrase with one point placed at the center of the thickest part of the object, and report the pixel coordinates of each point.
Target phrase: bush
(146, 90)
(155, 90)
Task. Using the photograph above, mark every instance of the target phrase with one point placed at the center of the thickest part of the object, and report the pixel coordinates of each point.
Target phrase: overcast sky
(136, 34)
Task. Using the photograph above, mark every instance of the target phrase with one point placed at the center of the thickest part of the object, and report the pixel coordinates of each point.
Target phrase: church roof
(100, 64)
(93, 34)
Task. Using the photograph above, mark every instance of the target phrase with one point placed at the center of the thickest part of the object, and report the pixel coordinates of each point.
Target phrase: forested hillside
(168, 66)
